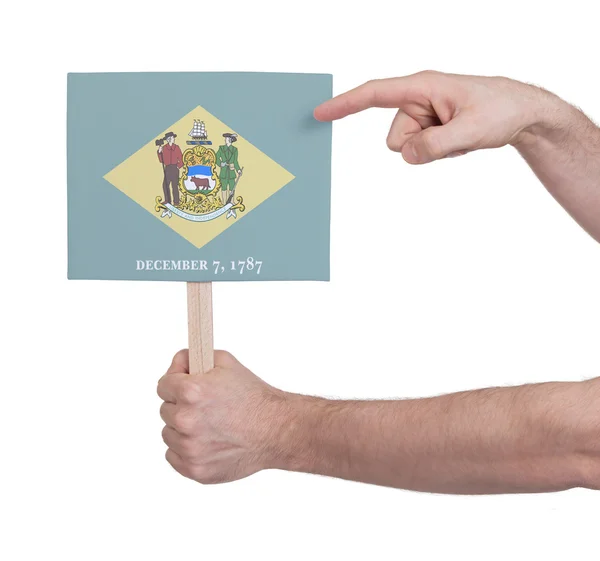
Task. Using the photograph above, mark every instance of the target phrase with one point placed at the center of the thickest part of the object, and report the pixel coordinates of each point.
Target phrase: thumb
(455, 137)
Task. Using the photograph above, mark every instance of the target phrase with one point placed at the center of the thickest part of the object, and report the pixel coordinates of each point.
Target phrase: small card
(198, 176)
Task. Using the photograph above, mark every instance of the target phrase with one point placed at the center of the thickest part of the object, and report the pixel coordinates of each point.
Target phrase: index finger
(180, 367)
(181, 362)
(387, 92)
(170, 387)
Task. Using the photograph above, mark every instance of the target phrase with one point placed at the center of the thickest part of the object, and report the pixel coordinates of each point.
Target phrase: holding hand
(220, 426)
(228, 424)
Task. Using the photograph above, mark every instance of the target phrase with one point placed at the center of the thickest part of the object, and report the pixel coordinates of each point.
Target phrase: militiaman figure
(227, 160)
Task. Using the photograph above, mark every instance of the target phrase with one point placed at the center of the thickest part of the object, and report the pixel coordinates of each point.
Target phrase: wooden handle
(200, 327)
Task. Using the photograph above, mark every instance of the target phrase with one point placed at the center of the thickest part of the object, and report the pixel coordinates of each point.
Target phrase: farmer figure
(172, 160)
(227, 160)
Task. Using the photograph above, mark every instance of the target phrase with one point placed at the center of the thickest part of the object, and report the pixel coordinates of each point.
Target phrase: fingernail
(411, 154)
(413, 151)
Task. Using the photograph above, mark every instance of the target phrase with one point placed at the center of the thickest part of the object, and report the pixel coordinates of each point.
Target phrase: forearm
(563, 149)
(526, 439)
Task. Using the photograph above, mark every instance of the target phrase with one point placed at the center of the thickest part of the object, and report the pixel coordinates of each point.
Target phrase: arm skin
(229, 424)
(535, 438)
(563, 150)
(527, 439)
(441, 115)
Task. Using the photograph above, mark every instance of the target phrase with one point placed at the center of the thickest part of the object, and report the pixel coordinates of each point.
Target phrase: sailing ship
(198, 133)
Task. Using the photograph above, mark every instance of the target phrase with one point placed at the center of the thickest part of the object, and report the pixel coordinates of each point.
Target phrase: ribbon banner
(170, 210)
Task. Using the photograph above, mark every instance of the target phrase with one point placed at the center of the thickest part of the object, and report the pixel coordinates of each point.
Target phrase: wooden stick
(200, 327)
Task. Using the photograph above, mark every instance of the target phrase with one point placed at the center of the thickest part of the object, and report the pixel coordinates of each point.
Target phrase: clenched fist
(220, 426)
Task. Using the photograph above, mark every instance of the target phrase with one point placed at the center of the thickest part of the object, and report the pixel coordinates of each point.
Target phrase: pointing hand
(441, 115)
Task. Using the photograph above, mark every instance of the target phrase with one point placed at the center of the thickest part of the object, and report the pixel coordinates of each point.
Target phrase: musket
(235, 185)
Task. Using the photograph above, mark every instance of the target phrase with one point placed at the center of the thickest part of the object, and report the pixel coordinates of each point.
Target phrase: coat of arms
(199, 177)
(199, 184)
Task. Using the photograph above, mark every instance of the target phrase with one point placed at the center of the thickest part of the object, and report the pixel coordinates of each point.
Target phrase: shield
(199, 180)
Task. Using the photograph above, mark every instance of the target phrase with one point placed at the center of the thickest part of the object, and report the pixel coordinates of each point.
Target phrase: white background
(468, 274)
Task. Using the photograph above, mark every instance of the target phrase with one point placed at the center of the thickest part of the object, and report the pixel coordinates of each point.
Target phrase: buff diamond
(199, 177)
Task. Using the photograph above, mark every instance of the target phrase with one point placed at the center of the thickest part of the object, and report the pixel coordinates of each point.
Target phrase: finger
(178, 388)
(184, 420)
(389, 92)
(176, 442)
(181, 362)
(168, 436)
(403, 127)
(458, 136)
(170, 387)
(167, 413)
(179, 464)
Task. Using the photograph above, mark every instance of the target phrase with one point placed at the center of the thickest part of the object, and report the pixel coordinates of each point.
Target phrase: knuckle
(370, 89)
(224, 358)
(181, 354)
(183, 421)
(173, 459)
(164, 413)
(180, 362)
(198, 473)
(205, 476)
(160, 386)
(187, 470)
(428, 73)
(189, 391)
(195, 471)
(179, 464)
(180, 359)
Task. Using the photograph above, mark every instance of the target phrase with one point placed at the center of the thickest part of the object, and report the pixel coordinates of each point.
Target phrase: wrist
(549, 119)
(297, 432)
